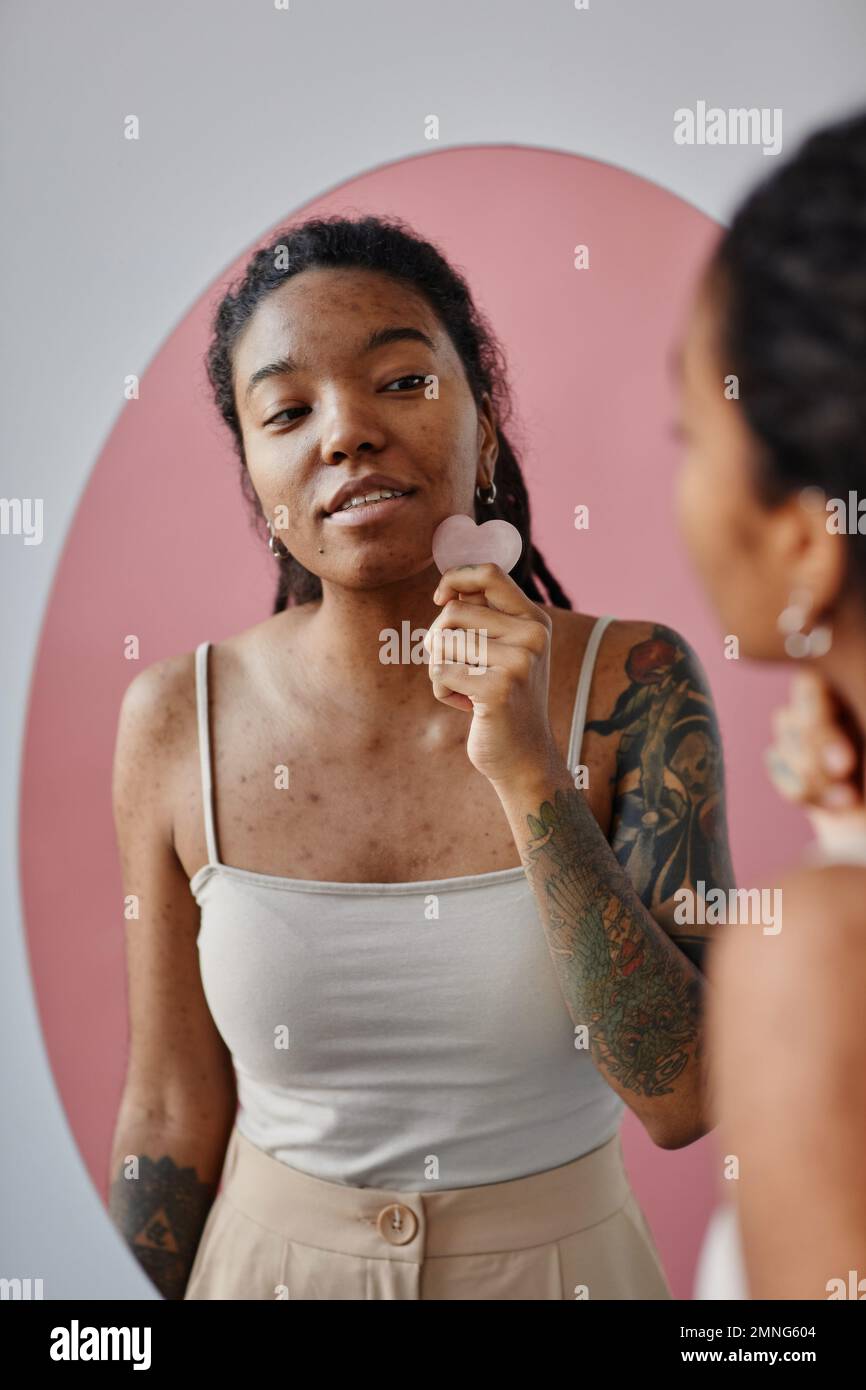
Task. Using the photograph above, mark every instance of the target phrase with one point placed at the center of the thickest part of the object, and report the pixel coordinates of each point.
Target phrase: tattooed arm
(179, 1098)
(607, 907)
(623, 978)
(668, 824)
(160, 1204)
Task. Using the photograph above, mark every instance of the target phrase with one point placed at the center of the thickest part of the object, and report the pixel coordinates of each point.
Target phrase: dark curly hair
(389, 246)
(790, 274)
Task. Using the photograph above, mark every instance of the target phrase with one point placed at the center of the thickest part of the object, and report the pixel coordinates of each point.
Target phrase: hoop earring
(792, 621)
(488, 501)
(276, 546)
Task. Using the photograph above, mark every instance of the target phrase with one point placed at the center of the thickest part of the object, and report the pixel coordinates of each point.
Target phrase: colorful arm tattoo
(668, 827)
(620, 974)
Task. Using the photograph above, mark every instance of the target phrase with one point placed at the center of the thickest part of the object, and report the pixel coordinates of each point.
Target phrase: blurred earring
(275, 545)
(792, 621)
(488, 501)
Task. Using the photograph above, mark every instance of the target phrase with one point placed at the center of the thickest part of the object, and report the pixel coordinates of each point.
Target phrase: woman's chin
(366, 572)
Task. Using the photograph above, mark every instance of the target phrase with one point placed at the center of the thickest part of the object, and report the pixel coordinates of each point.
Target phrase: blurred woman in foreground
(772, 502)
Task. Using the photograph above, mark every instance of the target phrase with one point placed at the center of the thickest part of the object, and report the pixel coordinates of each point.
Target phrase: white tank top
(396, 1034)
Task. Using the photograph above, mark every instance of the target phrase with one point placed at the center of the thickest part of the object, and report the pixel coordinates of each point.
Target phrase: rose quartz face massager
(458, 541)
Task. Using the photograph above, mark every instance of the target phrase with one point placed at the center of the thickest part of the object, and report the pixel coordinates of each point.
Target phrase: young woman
(382, 906)
(766, 482)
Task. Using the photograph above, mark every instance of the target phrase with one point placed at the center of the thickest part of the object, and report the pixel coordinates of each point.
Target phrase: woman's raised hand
(495, 648)
(816, 760)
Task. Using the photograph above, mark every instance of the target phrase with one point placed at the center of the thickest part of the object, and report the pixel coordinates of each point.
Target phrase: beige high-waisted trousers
(572, 1232)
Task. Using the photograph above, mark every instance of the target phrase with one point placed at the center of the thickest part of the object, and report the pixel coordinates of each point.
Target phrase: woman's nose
(350, 427)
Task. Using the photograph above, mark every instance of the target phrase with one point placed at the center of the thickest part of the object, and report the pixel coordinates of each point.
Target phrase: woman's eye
(293, 411)
(416, 377)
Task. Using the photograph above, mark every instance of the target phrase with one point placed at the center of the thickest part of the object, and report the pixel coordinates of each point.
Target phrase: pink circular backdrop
(588, 352)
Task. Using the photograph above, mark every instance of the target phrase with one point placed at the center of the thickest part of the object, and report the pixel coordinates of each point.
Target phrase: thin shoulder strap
(201, 652)
(583, 685)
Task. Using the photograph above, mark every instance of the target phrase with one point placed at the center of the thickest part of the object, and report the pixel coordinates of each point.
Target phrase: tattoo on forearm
(161, 1213)
(668, 804)
(620, 975)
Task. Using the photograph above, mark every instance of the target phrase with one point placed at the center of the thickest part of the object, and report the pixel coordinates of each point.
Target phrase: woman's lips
(368, 513)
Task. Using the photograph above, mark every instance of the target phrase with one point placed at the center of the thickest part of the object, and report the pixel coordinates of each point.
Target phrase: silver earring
(488, 501)
(792, 621)
(275, 545)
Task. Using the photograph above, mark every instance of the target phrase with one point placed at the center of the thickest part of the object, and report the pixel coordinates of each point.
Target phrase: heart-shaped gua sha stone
(458, 541)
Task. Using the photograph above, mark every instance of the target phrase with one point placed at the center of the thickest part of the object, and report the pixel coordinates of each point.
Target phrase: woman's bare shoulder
(633, 652)
(155, 724)
(621, 635)
(158, 696)
(576, 627)
(160, 700)
(816, 962)
(823, 908)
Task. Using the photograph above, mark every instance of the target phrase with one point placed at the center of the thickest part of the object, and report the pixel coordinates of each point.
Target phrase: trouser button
(397, 1224)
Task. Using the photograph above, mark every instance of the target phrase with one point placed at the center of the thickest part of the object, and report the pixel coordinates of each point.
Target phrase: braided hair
(790, 276)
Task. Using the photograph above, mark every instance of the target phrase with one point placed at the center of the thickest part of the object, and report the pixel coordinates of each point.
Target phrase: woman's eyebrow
(380, 337)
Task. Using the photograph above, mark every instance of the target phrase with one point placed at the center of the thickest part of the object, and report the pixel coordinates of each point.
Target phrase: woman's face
(332, 380)
(745, 553)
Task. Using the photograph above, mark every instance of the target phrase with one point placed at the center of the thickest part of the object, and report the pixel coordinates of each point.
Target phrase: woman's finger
(838, 751)
(814, 703)
(813, 759)
(785, 778)
(488, 681)
(838, 756)
(809, 694)
(488, 623)
(490, 582)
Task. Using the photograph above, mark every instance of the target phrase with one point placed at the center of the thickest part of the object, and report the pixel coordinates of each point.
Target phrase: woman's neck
(371, 639)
